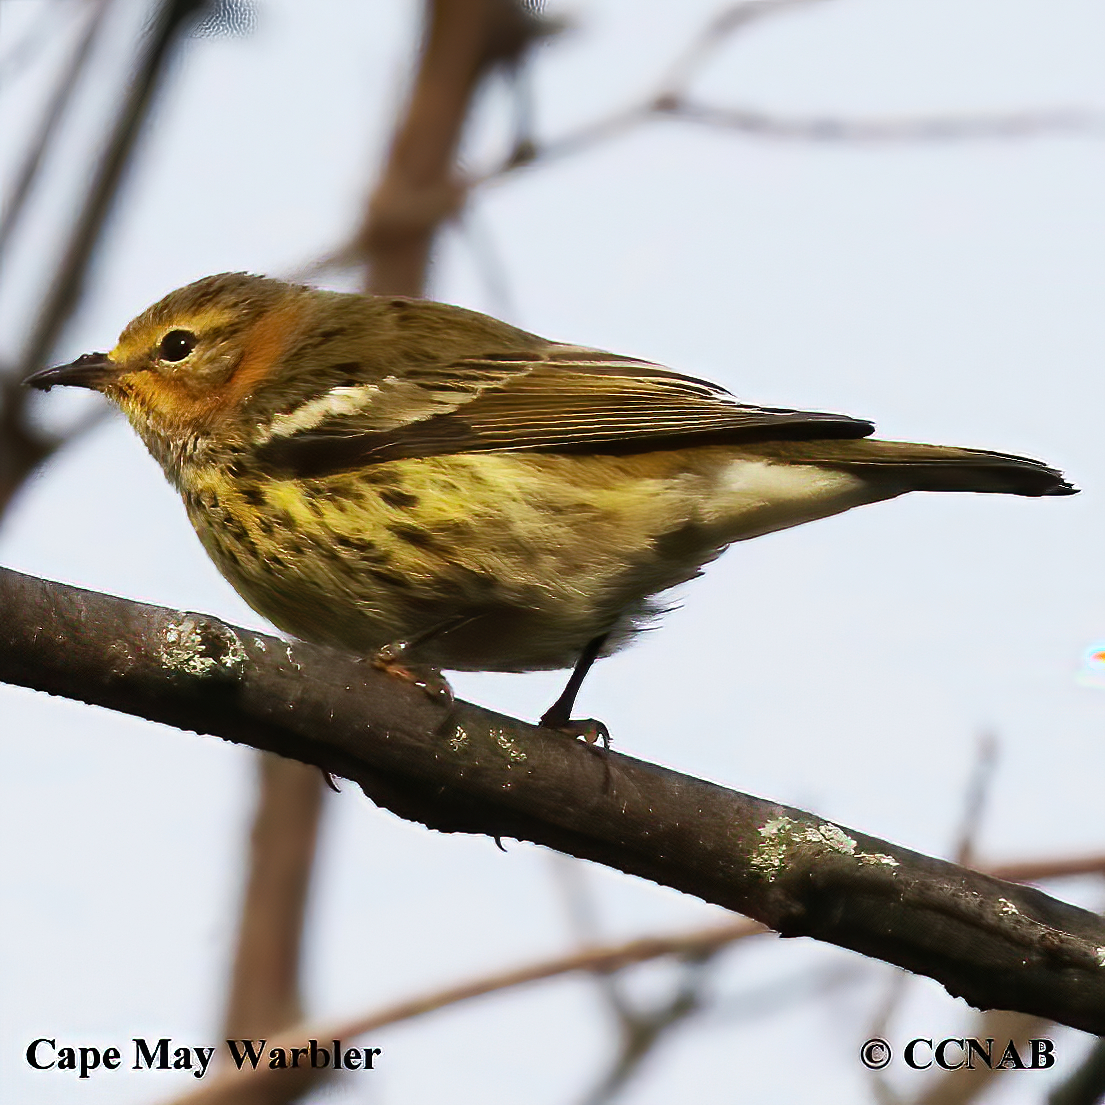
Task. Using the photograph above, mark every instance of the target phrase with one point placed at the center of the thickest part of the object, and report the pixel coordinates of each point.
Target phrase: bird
(432, 488)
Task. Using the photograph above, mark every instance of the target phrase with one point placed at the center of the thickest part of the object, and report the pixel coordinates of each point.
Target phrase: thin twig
(974, 802)
(1040, 870)
(61, 299)
(232, 1087)
(931, 128)
(264, 994)
(641, 1029)
(721, 26)
(69, 76)
(489, 263)
(670, 100)
(974, 805)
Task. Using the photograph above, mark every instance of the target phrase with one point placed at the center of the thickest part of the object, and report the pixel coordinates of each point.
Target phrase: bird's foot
(390, 659)
(590, 729)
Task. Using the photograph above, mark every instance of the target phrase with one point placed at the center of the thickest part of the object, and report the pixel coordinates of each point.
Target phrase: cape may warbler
(435, 488)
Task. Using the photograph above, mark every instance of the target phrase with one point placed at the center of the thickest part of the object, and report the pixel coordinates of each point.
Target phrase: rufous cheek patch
(265, 345)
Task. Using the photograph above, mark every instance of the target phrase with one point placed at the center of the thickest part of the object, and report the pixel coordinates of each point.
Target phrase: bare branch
(466, 769)
(171, 18)
(975, 802)
(1086, 1086)
(584, 922)
(641, 1028)
(419, 188)
(814, 128)
(933, 128)
(591, 134)
(261, 1087)
(1038, 870)
(670, 100)
(723, 25)
(70, 73)
(264, 990)
(22, 449)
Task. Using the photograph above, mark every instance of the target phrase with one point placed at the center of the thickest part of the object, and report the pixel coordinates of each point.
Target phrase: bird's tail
(932, 467)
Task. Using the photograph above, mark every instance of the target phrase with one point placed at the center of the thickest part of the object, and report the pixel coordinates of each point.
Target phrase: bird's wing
(562, 399)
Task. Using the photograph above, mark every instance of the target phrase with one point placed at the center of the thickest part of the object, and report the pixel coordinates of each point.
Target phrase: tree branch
(266, 1087)
(264, 989)
(68, 79)
(419, 188)
(1036, 870)
(466, 769)
(1086, 1084)
(671, 99)
(170, 19)
(922, 128)
(22, 447)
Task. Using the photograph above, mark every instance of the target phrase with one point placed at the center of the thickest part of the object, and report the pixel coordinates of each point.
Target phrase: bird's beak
(93, 370)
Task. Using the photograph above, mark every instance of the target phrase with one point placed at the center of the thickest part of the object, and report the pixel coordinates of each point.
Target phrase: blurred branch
(419, 187)
(641, 1029)
(1037, 870)
(959, 1087)
(68, 78)
(265, 1087)
(583, 920)
(22, 448)
(974, 805)
(170, 19)
(878, 1029)
(466, 769)
(720, 27)
(933, 128)
(671, 99)
(264, 990)
(1086, 1086)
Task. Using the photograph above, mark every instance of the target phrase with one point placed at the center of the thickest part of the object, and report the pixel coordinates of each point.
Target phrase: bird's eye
(176, 345)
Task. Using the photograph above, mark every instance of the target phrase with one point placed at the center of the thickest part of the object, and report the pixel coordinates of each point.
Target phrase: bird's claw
(590, 729)
(390, 659)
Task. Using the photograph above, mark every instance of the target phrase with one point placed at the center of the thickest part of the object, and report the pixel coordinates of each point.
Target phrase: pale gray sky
(949, 292)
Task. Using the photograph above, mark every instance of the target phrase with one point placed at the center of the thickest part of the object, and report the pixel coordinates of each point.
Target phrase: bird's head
(188, 363)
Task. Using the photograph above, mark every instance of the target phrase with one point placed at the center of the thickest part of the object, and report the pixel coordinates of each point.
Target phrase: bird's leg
(559, 714)
(391, 659)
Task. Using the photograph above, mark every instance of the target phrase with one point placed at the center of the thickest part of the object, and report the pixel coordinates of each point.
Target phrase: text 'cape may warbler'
(434, 488)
